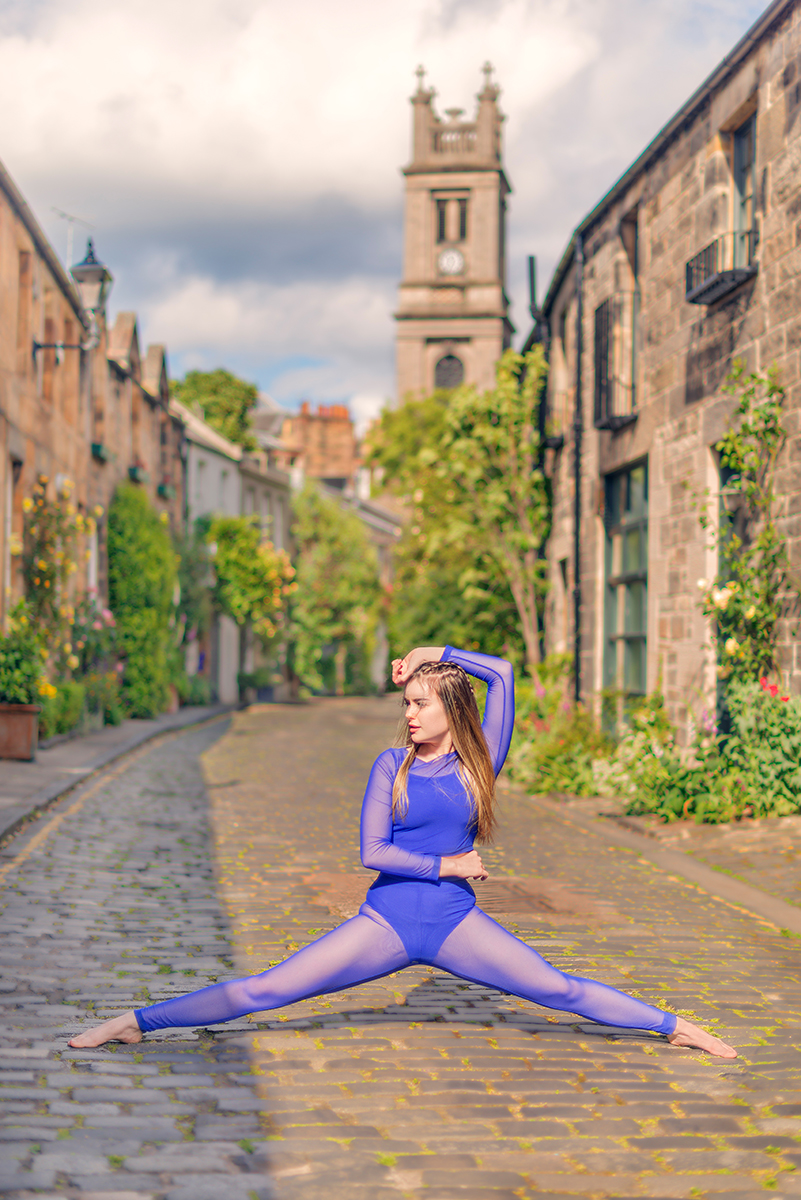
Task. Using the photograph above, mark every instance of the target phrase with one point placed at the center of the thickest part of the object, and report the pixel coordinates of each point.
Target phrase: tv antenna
(72, 221)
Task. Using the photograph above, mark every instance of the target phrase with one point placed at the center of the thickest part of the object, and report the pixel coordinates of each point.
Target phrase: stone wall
(678, 199)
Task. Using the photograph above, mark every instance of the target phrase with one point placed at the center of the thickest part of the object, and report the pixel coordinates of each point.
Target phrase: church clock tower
(452, 318)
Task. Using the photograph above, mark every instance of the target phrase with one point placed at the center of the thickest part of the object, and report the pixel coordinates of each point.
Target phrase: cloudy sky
(239, 159)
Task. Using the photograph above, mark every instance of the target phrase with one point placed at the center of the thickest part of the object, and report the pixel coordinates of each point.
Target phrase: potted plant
(22, 686)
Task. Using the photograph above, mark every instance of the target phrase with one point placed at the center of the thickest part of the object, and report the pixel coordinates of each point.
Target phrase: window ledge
(719, 284)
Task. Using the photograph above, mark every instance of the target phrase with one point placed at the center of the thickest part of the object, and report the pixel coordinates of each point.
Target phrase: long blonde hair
(452, 685)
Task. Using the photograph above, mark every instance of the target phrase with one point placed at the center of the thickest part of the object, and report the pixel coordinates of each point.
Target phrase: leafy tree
(468, 465)
(253, 579)
(337, 603)
(753, 591)
(194, 576)
(141, 583)
(223, 400)
(458, 596)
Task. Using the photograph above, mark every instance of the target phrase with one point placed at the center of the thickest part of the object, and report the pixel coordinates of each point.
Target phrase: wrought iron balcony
(721, 267)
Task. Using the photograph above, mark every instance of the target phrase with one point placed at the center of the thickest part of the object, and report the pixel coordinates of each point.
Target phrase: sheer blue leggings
(365, 948)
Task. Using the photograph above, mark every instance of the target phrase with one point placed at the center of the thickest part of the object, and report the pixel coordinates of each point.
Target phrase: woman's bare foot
(120, 1029)
(687, 1034)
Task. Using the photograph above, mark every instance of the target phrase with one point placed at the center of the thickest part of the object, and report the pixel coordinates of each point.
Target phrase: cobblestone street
(214, 852)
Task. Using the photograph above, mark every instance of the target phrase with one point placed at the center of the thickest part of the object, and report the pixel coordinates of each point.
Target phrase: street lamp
(93, 280)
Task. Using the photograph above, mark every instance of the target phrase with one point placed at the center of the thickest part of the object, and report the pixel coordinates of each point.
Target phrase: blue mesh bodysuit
(410, 914)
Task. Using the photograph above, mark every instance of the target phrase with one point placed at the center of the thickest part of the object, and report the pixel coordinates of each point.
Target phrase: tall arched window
(449, 372)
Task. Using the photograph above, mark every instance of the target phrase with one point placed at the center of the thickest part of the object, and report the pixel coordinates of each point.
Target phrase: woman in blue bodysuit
(424, 806)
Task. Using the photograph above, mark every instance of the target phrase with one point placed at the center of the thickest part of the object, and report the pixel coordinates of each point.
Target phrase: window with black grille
(626, 584)
(603, 328)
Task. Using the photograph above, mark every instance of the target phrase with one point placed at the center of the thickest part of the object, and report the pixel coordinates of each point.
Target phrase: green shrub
(62, 712)
(195, 689)
(103, 695)
(262, 677)
(556, 743)
(141, 576)
(22, 658)
(754, 771)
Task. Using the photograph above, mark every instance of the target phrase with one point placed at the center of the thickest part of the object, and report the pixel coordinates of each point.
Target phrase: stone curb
(716, 883)
(13, 817)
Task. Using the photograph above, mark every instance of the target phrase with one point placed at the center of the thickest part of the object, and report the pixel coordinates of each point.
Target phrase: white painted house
(224, 480)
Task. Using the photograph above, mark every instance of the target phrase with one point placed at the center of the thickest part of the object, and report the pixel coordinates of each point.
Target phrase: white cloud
(308, 317)
(175, 127)
(256, 102)
(339, 331)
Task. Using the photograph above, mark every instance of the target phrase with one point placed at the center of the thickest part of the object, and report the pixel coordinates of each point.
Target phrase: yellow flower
(27, 504)
(98, 510)
(164, 518)
(68, 647)
(73, 662)
(41, 564)
(14, 546)
(732, 645)
(750, 613)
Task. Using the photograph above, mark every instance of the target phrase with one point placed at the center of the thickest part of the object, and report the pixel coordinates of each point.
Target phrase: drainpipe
(578, 429)
(541, 333)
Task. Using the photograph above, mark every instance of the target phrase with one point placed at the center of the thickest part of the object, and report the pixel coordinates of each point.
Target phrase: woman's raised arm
(497, 673)
(499, 710)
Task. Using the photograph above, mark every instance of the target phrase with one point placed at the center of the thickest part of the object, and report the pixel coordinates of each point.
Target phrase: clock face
(451, 262)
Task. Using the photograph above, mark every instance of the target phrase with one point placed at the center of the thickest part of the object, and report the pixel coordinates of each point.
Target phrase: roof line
(25, 214)
(774, 10)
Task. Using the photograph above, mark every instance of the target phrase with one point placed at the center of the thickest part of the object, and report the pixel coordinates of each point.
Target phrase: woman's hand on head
(463, 866)
(403, 668)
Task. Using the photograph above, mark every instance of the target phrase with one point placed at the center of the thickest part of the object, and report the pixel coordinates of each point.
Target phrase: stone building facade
(77, 399)
(452, 316)
(690, 261)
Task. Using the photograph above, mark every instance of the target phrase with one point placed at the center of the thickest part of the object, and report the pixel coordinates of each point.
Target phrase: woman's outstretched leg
(481, 950)
(360, 950)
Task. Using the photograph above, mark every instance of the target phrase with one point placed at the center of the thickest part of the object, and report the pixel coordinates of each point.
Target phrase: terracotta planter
(19, 730)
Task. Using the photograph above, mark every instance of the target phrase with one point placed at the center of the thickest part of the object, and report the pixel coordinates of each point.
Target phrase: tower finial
(487, 69)
(421, 75)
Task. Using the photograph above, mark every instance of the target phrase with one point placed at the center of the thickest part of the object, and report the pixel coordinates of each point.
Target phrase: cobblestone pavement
(116, 904)
(418, 1084)
(765, 852)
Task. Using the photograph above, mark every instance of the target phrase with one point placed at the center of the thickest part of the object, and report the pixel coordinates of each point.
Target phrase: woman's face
(425, 714)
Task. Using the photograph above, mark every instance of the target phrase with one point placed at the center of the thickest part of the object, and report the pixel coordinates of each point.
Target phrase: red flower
(785, 698)
(774, 689)
(763, 683)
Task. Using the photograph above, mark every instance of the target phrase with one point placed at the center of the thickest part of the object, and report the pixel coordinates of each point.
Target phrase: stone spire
(452, 142)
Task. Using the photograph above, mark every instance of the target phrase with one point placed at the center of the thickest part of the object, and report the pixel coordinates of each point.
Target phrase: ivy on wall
(753, 590)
